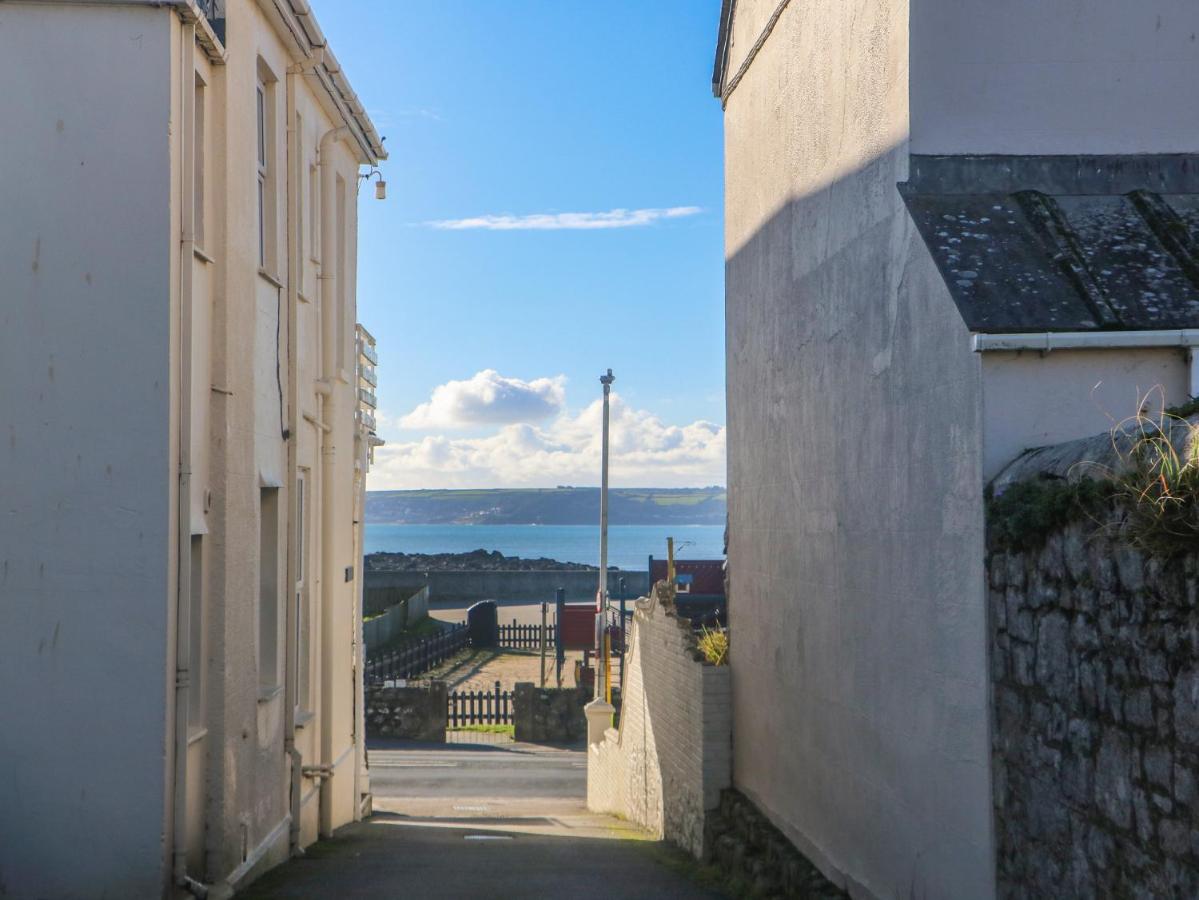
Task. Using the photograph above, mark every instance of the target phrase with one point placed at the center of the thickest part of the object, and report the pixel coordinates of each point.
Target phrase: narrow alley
(450, 819)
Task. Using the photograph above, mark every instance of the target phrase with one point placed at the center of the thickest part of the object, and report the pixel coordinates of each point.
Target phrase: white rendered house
(182, 453)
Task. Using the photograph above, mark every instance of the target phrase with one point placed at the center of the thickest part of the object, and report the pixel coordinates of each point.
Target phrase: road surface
(472, 820)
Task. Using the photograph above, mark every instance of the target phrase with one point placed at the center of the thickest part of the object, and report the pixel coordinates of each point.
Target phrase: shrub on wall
(1154, 486)
(713, 643)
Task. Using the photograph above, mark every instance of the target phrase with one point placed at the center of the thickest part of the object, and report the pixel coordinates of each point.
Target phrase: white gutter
(1183, 339)
(310, 43)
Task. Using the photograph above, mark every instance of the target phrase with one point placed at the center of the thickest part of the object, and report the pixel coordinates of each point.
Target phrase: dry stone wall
(1095, 670)
(416, 712)
(548, 715)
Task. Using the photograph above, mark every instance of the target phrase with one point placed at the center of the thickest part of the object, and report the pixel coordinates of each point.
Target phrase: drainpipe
(1184, 339)
(291, 618)
(329, 285)
(183, 502)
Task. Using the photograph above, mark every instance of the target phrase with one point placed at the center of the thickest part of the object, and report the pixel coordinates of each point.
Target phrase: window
(301, 522)
(197, 694)
(314, 200)
(266, 153)
(340, 278)
(268, 588)
(299, 205)
(198, 165)
(302, 625)
(262, 174)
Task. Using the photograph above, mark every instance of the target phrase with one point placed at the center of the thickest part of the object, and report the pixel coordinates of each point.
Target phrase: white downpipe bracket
(1183, 339)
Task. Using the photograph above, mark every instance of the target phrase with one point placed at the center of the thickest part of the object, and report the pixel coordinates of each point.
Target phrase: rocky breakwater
(474, 561)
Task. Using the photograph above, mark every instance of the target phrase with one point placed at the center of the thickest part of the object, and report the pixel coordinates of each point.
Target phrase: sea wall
(533, 586)
(1095, 669)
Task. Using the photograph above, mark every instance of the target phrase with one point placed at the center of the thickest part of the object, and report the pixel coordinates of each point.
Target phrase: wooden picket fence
(492, 707)
(525, 637)
(416, 657)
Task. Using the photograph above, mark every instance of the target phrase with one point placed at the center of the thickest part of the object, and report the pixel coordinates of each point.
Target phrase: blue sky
(495, 312)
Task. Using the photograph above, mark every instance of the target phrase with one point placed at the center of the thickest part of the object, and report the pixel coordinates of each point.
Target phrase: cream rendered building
(183, 450)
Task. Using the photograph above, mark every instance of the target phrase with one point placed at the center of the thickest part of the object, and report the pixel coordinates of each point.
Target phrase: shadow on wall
(856, 538)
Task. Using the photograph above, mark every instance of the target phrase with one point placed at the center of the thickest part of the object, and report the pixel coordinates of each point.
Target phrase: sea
(629, 546)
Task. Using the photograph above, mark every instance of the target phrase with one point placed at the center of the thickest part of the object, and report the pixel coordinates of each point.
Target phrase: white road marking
(414, 765)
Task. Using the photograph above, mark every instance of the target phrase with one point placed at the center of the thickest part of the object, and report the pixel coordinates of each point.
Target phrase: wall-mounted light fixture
(380, 184)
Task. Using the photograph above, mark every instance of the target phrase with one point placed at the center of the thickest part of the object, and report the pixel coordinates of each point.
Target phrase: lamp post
(599, 711)
(601, 594)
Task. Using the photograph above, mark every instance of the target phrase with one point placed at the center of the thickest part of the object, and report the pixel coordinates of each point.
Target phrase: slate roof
(1062, 243)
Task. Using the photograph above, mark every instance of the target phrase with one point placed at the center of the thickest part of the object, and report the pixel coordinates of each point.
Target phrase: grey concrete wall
(1029, 76)
(1095, 652)
(84, 458)
(388, 626)
(1091, 390)
(534, 586)
(857, 605)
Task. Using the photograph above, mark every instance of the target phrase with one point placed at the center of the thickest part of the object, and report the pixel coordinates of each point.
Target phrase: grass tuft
(1155, 488)
(1160, 489)
(484, 729)
(713, 643)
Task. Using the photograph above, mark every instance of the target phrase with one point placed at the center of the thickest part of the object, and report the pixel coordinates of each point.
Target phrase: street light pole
(601, 594)
(599, 711)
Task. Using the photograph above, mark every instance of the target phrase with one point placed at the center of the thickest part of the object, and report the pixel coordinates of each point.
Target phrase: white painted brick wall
(672, 755)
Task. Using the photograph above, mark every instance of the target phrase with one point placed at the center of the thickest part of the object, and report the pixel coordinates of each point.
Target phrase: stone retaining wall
(548, 715)
(665, 766)
(1095, 667)
(417, 712)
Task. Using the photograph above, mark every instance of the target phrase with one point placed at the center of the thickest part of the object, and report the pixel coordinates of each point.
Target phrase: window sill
(303, 718)
(267, 276)
(269, 693)
(202, 256)
(196, 734)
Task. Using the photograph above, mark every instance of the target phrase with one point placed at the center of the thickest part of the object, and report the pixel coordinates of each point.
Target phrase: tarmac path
(494, 820)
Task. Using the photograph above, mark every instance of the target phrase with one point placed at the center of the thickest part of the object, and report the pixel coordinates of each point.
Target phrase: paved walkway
(464, 821)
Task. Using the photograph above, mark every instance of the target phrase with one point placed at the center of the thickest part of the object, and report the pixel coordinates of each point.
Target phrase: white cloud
(644, 452)
(488, 398)
(615, 218)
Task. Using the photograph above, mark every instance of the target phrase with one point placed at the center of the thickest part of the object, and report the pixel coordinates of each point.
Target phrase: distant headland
(548, 506)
